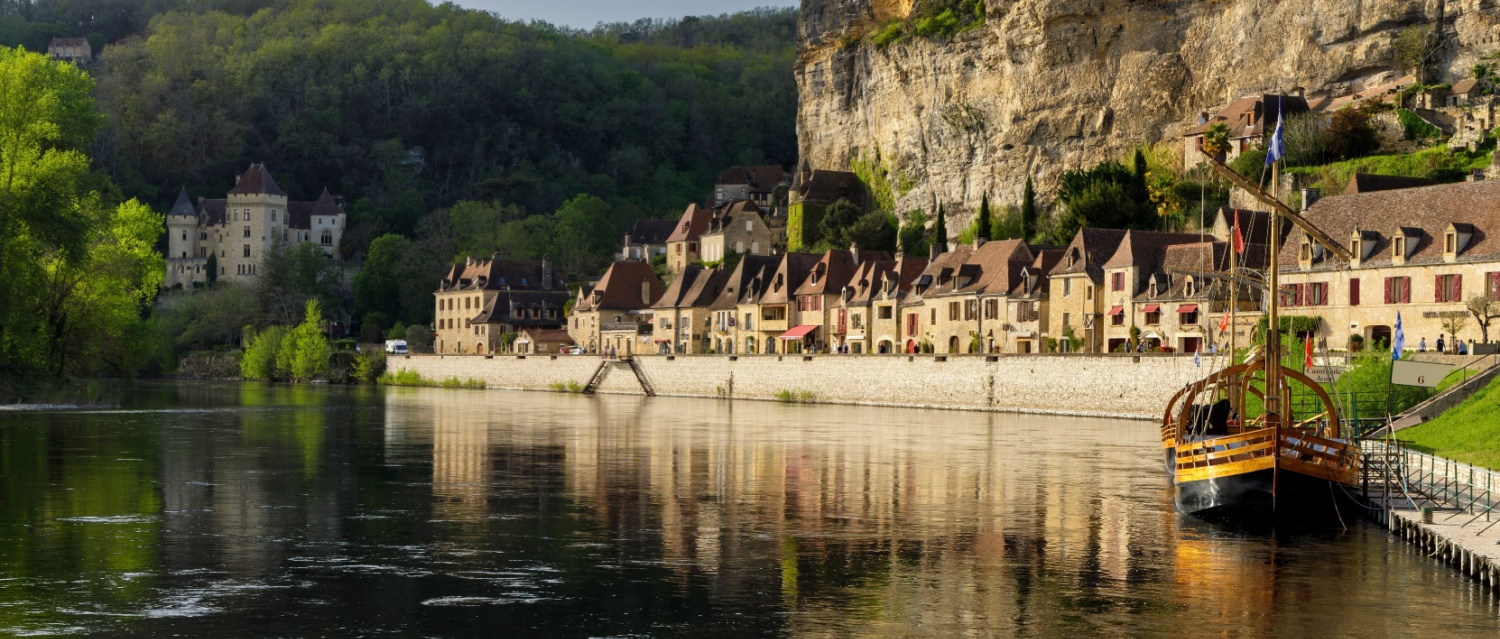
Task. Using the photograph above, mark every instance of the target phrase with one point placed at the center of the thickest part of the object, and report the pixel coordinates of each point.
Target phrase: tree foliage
(76, 269)
(304, 351)
(940, 233)
(1349, 135)
(1028, 210)
(982, 223)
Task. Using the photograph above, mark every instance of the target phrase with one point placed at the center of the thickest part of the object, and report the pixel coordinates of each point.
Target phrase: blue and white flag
(1276, 149)
(1399, 341)
(1197, 362)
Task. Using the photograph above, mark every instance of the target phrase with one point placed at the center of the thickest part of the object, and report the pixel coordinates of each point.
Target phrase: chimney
(932, 251)
(237, 179)
(854, 252)
(468, 260)
(546, 273)
(978, 241)
(1309, 197)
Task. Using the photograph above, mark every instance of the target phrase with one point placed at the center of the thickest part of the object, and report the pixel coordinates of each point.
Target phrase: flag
(1400, 339)
(1276, 149)
(1196, 360)
(1307, 363)
(1224, 323)
(1239, 238)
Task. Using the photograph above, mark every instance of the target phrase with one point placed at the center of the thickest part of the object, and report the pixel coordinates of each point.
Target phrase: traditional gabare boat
(1234, 447)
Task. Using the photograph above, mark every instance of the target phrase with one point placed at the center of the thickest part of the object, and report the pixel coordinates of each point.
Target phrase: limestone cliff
(1049, 85)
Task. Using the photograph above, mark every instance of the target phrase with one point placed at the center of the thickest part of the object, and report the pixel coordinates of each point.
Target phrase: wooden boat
(1234, 447)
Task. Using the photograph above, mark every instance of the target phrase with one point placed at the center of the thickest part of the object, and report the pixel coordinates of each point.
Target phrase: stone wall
(1101, 385)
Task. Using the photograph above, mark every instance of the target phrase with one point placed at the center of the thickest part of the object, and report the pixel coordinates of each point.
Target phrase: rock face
(1046, 86)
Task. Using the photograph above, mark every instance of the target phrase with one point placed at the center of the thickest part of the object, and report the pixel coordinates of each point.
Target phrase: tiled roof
(834, 270)
(326, 205)
(938, 269)
(256, 180)
(1427, 210)
(497, 274)
(184, 205)
(789, 275)
(1088, 252)
(695, 286)
(499, 308)
(829, 187)
(741, 285)
(1366, 183)
(993, 268)
(67, 42)
(620, 288)
(650, 232)
(213, 212)
(1252, 116)
(1464, 86)
(693, 223)
(730, 213)
(548, 335)
(1145, 249)
(760, 178)
(1046, 260)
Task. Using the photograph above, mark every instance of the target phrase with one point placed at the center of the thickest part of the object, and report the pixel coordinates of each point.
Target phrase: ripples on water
(253, 510)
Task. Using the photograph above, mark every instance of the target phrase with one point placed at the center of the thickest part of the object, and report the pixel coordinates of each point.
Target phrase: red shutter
(1354, 292)
(1387, 290)
(1406, 290)
(1458, 288)
(1440, 292)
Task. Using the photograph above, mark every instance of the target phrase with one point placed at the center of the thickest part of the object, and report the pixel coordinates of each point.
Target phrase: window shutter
(1406, 290)
(1387, 290)
(1440, 292)
(1354, 292)
(1458, 288)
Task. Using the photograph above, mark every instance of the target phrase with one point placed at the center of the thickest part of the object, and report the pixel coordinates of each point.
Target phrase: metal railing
(1454, 484)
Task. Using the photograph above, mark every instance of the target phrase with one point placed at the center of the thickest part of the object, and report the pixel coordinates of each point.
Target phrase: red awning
(800, 332)
(1151, 308)
(1116, 310)
(1188, 308)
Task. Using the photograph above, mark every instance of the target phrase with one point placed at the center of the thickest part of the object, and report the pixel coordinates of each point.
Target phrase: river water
(258, 510)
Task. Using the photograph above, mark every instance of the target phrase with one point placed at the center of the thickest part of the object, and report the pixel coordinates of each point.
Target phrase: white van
(396, 346)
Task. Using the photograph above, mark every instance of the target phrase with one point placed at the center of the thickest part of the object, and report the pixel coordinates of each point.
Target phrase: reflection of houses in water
(460, 461)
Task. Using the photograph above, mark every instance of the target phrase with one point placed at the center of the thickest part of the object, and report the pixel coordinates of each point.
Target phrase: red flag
(1307, 362)
(1239, 239)
(1224, 323)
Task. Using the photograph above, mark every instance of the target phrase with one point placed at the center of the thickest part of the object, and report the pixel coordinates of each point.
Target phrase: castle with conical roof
(238, 230)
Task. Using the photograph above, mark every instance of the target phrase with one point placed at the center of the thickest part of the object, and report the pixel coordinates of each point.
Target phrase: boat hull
(1263, 495)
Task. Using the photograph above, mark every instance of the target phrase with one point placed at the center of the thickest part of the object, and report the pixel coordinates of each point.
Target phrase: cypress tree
(940, 233)
(1141, 194)
(1028, 211)
(982, 225)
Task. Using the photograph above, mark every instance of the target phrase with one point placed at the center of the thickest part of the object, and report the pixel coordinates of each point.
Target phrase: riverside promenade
(1447, 509)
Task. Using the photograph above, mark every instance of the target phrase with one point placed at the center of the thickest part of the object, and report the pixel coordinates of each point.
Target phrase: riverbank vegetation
(77, 261)
(1469, 432)
(412, 378)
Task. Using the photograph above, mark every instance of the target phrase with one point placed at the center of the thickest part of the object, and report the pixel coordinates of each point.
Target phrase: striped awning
(1188, 308)
(799, 332)
(1151, 308)
(1116, 310)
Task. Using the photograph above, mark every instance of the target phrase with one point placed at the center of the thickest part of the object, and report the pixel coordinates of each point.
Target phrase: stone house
(619, 304)
(1249, 120)
(764, 185)
(737, 226)
(920, 319)
(1182, 301)
(240, 229)
(683, 245)
(479, 301)
(646, 240)
(1028, 302)
(819, 321)
(75, 50)
(812, 192)
(1464, 92)
(1136, 269)
(541, 341)
(733, 328)
(970, 312)
(872, 303)
(682, 317)
(1442, 250)
(1074, 306)
(773, 304)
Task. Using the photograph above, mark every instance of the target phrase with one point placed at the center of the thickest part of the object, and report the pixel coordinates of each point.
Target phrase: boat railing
(1462, 486)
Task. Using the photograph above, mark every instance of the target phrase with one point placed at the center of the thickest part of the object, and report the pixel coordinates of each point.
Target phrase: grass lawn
(1469, 432)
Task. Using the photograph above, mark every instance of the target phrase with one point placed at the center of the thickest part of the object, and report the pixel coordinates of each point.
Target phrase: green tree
(913, 234)
(873, 231)
(836, 220)
(1414, 49)
(982, 224)
(1138, 189)
(262, 350)
(1349, 135)
(1105, 205)
(1028, 210)
(292, 273)
(304, 351)
(1216, 140)
(1008, 226)
(584, 238)
(940, 233)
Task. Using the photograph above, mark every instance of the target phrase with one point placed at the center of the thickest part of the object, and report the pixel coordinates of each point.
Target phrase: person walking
(1422, 345)
(1440, 344)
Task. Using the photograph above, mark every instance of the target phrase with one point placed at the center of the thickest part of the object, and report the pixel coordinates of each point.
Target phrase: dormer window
(1189, 286)
(1152, 289)
(1398, 249)
(1455, 239)
(1073, 258)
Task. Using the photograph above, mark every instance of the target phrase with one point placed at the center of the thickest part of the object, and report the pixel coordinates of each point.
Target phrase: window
(992, 309)
(749, 226)
(952, 311)
(1354, 291)
(1153, 317)
(885, 312)
(1448, 288)
(247, 250)
(1398, 249)
(1067, 287)
(327, 237)
(1294, 295)
(1450, 243)
(1316, 294)
(247, 215)
(748, 324)
(1117, 282)
(1188, 318)
(1117, 319)
(911, 323)
(1067, 317)
(971, 309)
(1088, 292)
(1397, 290)
(1494, 284)
(933, 321)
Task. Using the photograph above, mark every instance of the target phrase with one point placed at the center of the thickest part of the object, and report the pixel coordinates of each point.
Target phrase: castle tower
(183, 263)
(255, 216)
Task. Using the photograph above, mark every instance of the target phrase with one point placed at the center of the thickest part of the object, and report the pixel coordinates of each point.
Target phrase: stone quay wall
(1127, 386)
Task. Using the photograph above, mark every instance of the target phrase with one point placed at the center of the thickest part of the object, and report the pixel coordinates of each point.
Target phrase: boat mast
(1272, 353)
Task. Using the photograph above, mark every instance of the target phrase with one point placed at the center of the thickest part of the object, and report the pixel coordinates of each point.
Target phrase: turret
(182, 228)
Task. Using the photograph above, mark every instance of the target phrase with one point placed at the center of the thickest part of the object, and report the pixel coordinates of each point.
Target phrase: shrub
(369, 366)
(304, 353)
(1349, 135)
(794, 397)
(1413, 127)
(261, 351)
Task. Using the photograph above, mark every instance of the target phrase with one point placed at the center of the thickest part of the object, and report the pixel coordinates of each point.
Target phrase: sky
(587, 13)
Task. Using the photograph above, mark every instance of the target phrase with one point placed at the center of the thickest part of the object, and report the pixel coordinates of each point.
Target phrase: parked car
(573, 350)
(395, 346)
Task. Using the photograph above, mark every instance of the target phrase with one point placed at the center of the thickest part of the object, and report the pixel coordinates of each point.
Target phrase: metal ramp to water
(608, 365)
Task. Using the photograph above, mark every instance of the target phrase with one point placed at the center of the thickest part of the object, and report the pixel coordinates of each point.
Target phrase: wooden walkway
(1400, 487)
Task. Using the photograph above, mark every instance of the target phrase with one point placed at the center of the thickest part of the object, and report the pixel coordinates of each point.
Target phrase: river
(218, 509)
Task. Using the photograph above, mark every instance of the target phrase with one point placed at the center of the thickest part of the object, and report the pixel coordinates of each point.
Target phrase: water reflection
(279, 510)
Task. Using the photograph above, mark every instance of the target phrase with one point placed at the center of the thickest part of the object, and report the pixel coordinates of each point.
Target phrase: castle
(238, 230)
